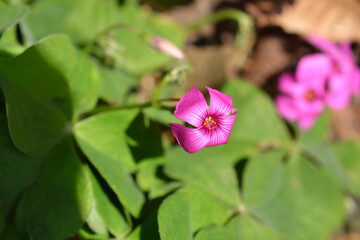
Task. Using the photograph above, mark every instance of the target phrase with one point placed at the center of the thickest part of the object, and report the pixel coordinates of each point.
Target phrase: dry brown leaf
(338, 20)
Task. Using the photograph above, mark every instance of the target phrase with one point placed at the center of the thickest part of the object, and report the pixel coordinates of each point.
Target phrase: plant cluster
(82, 158)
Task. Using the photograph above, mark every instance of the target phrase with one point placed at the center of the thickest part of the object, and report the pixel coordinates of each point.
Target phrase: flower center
(336, 67)
(310, 95)
(210, 123)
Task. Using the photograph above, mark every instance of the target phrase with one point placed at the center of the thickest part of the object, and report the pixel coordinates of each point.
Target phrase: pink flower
(330, 77)
(343, 75)
(212, 125)
(303, 98)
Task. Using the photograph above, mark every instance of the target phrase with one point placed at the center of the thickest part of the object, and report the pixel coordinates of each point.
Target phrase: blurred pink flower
(330, 77)
(303, 98)
(212, 125)
(343, 78)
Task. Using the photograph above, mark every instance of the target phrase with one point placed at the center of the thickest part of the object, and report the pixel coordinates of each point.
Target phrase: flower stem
(106, 108)
(218, 16)
(159, 90)
(175, 74)
(244, 40)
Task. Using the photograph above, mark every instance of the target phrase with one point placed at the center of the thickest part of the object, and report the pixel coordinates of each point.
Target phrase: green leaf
(17, 171)
(174, 217)
(95, 221)
(204, 170)
(320, 131)
(43, 70)
(151, 178)
(35, 126)
(54, 77)
(241, 227)
(85, 84)
(106, 134)
(9, 45)
(115, 85)
(114, 220)
(54, 71)
(349, 155)
(103, 140)
(200, 203)
(10, 232)
(2, 219)
(147, 173)
(10, 15)
(293, 198)
(325, 157)
(145, 138)
(62, 197)
(251, 229)
(313, 144)
(148, 230)
(164, 189)
(257, 120)
(82, 20)
(230, 231)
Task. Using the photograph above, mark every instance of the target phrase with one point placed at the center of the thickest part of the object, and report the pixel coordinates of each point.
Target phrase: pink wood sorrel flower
(343, 76)
(212, 125)
(303, 95)
(329, 77)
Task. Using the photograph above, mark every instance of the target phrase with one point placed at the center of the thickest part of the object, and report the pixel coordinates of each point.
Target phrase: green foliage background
(68, 170)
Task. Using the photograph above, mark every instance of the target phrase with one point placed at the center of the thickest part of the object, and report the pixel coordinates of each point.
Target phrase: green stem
(246, 37)
(107, 108)
(226, 14)
(160, 88)
(174, 74)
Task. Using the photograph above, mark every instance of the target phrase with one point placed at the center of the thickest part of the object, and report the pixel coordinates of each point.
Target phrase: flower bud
(167, 47)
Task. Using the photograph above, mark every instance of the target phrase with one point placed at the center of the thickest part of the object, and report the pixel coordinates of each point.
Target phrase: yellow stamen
(210, 123)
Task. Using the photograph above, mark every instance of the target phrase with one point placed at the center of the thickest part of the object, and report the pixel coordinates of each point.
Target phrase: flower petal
(347, 51)
(287, 84)
(286, 108)
(337, 100)
(325, 46)
(192, 108)
(307, 121)
(190, 139)
(221, 133)
(340, 90)
(313, 107)
(312, 71)
(340, 83)
(220, 103)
